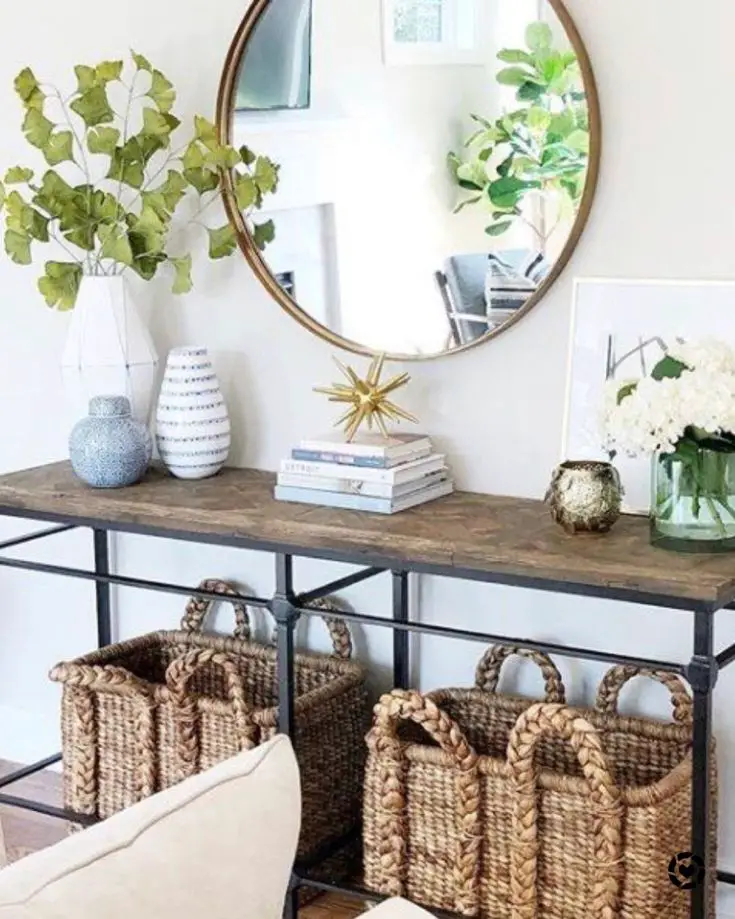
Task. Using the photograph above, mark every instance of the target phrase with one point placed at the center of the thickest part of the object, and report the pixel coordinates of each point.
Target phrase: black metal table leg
(702, 675)
(401, 638)
(102, 588)
(286, 615)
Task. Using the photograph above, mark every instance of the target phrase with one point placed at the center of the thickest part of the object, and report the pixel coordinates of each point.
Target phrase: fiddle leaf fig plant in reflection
(540, 148)
(122, 188)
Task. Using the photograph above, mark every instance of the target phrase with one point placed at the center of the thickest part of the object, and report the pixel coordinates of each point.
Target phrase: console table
(465, 536)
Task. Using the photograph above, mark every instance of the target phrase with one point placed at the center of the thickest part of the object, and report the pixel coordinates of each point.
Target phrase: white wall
(497, 410)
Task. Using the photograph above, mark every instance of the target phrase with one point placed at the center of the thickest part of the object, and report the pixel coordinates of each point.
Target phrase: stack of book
(371, 473)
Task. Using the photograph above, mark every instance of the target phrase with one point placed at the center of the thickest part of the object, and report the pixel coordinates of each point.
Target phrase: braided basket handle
(608, 693)
(100, 679)
(178, 674)
(539, 721)
(402, 705)
(199, 608)
(337, 628)
(487, 675)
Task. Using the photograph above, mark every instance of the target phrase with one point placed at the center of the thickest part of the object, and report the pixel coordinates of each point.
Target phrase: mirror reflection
(434, 158)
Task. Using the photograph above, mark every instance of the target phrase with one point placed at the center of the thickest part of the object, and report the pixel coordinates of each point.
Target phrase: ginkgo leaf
(29, 89)
(115, 245)
(18, 247)
(142, 63)
(247, 155)
(162, 92)
(103, 140)
(158, 124)
(193, 157)
(108, 71)
(206, 132)
(266, 174)
(264, 233)
(17, 175)
(86, 77)
(60, 284)
(246, 191)
(203, 180)
(182, 275)
(93, 107)
(60, 148)
(123, 170)
(222, 242)
(37, 128)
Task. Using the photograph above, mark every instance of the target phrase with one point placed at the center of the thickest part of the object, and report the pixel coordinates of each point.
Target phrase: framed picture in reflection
(433, 32)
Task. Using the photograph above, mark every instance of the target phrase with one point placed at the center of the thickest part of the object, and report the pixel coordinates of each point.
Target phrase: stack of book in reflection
(371, 473)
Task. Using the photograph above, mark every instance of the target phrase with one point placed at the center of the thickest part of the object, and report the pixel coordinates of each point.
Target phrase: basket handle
(178, 674)
(615, 679)
(535, 723)
(199, 608)
(402, 705)
(100, 679)
(337, 628)
(487, 675)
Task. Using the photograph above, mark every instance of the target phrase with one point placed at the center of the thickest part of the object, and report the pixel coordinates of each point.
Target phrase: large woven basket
(562, 815)
(139, 716)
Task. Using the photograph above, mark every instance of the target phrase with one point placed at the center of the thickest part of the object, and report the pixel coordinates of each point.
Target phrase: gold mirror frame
(225, 110)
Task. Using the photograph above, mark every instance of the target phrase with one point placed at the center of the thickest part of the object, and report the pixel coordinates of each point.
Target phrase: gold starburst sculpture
(367, 398)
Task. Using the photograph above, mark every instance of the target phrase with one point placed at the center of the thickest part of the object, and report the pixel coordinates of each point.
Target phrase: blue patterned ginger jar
(109, 448)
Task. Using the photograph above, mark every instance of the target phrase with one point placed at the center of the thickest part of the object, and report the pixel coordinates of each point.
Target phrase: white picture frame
(607, 314)
(463, 41)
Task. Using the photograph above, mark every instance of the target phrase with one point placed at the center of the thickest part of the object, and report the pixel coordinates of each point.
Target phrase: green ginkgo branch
(125, 220)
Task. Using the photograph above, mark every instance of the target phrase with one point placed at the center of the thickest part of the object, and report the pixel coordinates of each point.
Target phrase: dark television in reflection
(275, 71)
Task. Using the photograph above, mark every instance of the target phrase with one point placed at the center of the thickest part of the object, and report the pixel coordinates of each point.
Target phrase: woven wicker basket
(139, 716)
(507, 809)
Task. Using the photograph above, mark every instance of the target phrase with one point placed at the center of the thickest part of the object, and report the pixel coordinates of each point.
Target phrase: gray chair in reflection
(462, 284)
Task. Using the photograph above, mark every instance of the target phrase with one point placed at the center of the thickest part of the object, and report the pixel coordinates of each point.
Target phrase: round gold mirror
(437, 163)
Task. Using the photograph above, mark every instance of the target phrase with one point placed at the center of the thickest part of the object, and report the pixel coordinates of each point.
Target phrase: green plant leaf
(93, 107)
(247, 156)
(222, 241)
(108, 71)
(579, 141)
(165, 198)
(538, 119)
(2, 197)
(266, 175)
(264, 233)
(668, 368)
(515, 76)
(124, 170)
(18, 246)
(54, 195)
(18, 175)
(24, 219)
(145, 262)
(115, 245)
(497, 229)
(246, 191)
(206, 132)
(29, 90)
(142, 63)
(193, 157)
(158, 124)
(60, 284)
(37, 128)
(203, 180)
(60, 148)
(627, 390)
(516, 56)
(103, 140)
(507, 191)
(162, 92)
(182, 275)
(530, 92)
(539, 36)
(466, 203)
(86, 78)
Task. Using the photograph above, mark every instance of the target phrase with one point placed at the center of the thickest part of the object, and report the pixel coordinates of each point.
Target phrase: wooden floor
(23, 832)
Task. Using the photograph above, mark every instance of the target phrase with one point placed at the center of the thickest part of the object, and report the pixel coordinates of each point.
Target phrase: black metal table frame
(287, 606)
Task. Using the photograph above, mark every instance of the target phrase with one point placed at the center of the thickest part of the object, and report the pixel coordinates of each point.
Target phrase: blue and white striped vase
(192, 424)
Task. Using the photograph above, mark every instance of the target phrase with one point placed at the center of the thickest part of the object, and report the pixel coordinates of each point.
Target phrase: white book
(359, 487)
(368, 445)
(398, 475)
(362, 502)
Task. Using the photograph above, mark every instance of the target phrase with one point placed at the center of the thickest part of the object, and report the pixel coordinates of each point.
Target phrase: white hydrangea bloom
(655, 416)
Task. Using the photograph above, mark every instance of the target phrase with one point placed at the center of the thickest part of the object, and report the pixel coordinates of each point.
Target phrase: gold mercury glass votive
(585, 496)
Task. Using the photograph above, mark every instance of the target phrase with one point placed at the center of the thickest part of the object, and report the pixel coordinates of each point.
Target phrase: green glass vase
(693, 501)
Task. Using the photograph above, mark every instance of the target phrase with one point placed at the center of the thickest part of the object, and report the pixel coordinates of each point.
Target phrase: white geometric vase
(108, 350)
(192, 424)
